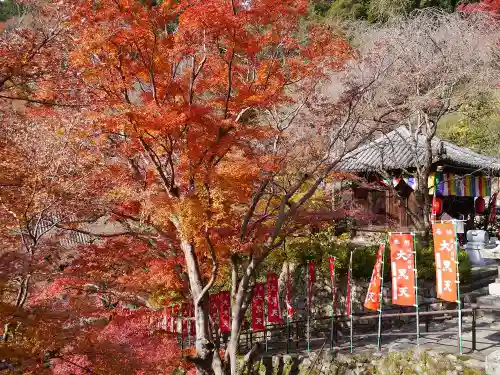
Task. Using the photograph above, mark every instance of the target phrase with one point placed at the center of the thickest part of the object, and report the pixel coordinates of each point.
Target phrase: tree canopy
(151, 152)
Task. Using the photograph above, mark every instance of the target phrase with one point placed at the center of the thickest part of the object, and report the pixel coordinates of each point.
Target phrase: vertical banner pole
(332, 278)
(287, 297)
(265, 335)
(417, 307)
(381, 299)
(350, 300)
(308, 308)
(266, 318)
(433, 213)
(189, 326)
(459, 301)
(287, 333)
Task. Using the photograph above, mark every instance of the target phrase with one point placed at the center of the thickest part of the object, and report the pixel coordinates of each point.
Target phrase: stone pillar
(494, 288)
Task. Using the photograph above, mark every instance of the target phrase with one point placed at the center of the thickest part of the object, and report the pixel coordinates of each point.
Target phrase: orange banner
(403, 269)
(445, 251)
(372, 300)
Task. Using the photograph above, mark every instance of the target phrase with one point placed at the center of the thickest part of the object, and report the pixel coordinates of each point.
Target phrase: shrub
(323, 244)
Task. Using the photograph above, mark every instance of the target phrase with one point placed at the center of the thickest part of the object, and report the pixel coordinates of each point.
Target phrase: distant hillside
(476, 126)
(8, 9)
(377, 10)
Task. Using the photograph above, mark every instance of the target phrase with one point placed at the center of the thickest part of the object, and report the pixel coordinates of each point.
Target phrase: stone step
(477, 285)
(471, 297)
(482, 272)
(481, 277)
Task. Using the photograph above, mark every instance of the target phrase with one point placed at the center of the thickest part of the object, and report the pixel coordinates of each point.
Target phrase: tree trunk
(238, 311)
(240, 297)
(204, 346)
(232, 349)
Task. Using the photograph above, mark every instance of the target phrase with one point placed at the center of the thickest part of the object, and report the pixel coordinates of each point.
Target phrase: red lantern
(480, 205)
(437, 206)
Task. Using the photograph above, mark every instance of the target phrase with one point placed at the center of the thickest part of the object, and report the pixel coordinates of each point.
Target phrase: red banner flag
(288, 295)
(312, 279)
(403, 269)
(273, 306)
(331, 263)
(175, 315)
(157, 319)
(214, 303)
(348, 294)
(166, 319)
(192, 322)
(258, 307)
(493, 209)
(185, 315)
(225, 312)
(372, 300)
(445, 251)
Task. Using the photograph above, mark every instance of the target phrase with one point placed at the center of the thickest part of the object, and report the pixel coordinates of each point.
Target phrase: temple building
(399, 168)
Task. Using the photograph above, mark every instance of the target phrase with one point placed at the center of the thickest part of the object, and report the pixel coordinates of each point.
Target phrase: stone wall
(322, 295)
(404, 363)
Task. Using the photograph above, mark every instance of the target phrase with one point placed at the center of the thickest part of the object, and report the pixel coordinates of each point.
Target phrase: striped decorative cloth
(445, 184)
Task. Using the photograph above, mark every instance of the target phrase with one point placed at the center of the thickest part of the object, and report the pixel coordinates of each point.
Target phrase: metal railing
(396, 322)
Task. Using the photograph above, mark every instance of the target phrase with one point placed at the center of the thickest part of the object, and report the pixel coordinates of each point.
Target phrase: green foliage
(382, 10)
(325, 243)
(375, 10)
(319, 247)
(476, 126)
(427, 266)
(8, 9)
(321, 7)
(348, 9)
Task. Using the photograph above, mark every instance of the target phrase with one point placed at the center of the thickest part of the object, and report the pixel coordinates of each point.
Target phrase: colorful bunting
(402, 266)
(446, 184)
(411, 181)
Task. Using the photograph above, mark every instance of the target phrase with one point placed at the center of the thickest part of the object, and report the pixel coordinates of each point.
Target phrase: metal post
(416, 288)
(333, 306)
(427, 319)
(182, 333)
(460, 343)
(287, 334)
(308, 308)
(350, 301)
(473, 329)
(381, 299)
(265, 336)
(288, 301)
(297, 333)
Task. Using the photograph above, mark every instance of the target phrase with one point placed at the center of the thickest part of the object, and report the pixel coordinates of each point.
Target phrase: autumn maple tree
(196, 126)
(200, 103)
